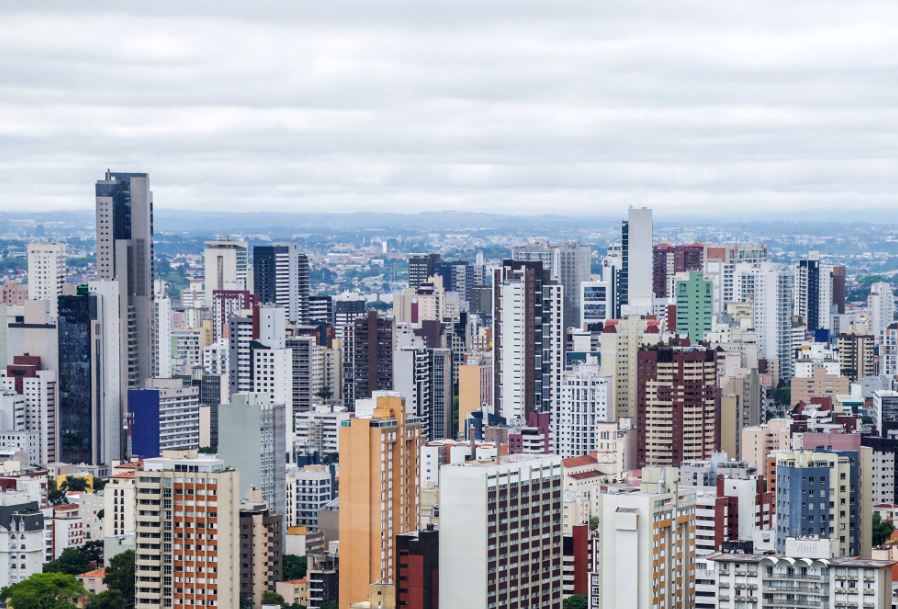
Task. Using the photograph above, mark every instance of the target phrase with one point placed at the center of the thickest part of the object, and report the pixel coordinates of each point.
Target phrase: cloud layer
(694, 108)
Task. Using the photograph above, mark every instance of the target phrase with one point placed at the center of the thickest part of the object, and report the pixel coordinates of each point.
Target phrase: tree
(294, 567)
(207, 450)
(120, 576)
(577, 601)
(45, 591)
(93, 552)
(71, 562)
(325, 393)
(111, 599)
(882, 530)
(593, 523)
(74, 483)
(783, 395)
(329, 605)
(54, 495)
(272, 598)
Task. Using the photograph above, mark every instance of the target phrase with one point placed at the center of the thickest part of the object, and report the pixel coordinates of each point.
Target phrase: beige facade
(820, 385)
(379, 494)
(759, 441)
(475, 388)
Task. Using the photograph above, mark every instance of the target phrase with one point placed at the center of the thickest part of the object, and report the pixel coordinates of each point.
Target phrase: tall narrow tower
(125, 255)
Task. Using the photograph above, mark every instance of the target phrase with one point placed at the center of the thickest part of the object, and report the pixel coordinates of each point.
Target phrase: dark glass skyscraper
(75, 377)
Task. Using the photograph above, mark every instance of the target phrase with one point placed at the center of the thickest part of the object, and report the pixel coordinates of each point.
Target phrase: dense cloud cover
(702, 107)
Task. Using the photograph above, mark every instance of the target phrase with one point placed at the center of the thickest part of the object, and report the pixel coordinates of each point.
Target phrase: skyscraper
(225, 266)
(187, 533)
(46, 272)
(90, 399)
(422, 267)
(813, 293)
(367, 357)
(125, 255)
(694, 307)
(677, 405)
(281, 276)
(528, 339)
(881, 302)
(587, 399)
(772, 314)
(635, 286)
(645, 547)
(379, 494)
(668, 260)
(568, 264)
(826, 494)
(500, 533)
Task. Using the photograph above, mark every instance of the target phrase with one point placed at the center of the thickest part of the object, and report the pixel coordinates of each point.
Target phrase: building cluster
(655, 425)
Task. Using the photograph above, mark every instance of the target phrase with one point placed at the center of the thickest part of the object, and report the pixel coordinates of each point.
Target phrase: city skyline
(695, 110)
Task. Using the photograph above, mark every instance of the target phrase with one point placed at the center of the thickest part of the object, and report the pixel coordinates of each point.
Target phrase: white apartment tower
(500, 533)
(46, 272)
(881, 303)
(587, 399)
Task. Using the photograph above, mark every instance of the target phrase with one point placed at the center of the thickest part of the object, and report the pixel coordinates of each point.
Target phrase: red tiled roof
(579, 461)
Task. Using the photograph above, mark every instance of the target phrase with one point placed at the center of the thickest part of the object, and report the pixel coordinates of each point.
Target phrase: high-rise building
(90, 399)
(813, 293)
(26, 377)
(241, 334)
(164, 415)
(309, 489)
(162, 326)
(379, 494)
(500, 533)
(857, 356)
(668, 260)
(528, 339)
(346, 310)
(597, 300)
(187, 533)
(772, 315)
(635, 286)
(587, 399)
(321, 309)
(418, 569)
(46, 272)
(252, 438)
(281, 276)
(884, 411)
(475, 388)
(881, 302)
(261, 549)
(568, 264)
(422, 267)
(825, 494)
(839, 289)
(225, 303)
(423, 377)
(619, 345)
(367, 357)
(125, 255)
(225, 266)
(677, 405)
(694, 307)
(644, 552)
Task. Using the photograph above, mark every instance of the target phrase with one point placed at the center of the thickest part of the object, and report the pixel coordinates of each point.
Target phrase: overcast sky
(712, 108)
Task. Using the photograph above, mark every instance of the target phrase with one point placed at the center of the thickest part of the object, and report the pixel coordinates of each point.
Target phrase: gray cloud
(520, 107)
